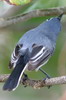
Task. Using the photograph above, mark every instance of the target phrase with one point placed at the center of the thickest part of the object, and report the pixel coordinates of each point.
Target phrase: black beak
(59, 17)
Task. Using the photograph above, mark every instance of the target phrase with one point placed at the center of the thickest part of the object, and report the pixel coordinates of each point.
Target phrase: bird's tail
(14, 79)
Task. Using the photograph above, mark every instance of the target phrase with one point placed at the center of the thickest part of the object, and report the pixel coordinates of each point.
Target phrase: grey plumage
(35, 47)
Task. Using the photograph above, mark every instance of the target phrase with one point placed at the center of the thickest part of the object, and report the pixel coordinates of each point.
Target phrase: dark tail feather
(14, 79)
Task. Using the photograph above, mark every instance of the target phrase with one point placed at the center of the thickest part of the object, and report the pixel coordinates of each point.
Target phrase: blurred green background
(10, 35)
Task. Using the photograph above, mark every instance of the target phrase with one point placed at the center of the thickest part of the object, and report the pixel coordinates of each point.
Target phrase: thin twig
(36, 84)
(37, 13)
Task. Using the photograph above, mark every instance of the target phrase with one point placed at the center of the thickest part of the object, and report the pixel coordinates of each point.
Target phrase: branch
(36, 84)
(37, 13)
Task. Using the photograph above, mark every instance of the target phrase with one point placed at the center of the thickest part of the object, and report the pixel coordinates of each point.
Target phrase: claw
(45, 79)
(24, 79)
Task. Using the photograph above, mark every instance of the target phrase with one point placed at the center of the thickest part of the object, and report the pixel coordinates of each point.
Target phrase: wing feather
(39, 56)
(14, 56)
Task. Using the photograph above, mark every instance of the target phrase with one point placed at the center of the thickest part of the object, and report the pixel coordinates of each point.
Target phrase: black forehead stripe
(36, 50)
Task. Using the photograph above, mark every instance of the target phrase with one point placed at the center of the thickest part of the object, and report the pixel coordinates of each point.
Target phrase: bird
(33, 51)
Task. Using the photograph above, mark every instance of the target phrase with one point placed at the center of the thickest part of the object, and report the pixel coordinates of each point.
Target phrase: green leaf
(18, 2)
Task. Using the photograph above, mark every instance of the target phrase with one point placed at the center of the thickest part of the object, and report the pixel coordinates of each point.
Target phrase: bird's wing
(39, 56)
(14, 56)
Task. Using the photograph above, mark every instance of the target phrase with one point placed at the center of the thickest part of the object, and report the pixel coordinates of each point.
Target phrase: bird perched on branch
(33, 50)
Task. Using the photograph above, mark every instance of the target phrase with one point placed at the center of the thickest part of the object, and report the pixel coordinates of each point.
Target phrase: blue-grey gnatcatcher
(33, 50)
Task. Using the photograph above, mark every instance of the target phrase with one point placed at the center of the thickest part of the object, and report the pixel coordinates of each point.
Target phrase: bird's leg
(47, 76)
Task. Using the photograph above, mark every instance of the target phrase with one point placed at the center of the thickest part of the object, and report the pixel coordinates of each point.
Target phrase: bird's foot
(48, 77)
(24, 79)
